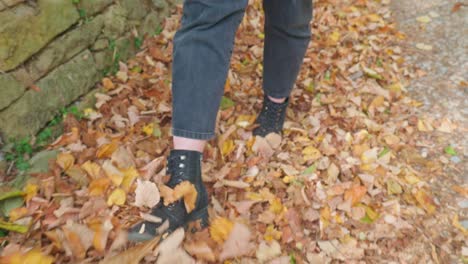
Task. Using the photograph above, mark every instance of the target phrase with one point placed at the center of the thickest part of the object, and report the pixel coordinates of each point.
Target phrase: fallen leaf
(200, 250)
(220, 228)
(33, 256)
(132, 255)
(146, 194)
(355, 194)
(99, 186)
(117, 197)
(237, 243)
(113, 173)
(65, 160)
(425, 201)
(267, 252)
(185, 190)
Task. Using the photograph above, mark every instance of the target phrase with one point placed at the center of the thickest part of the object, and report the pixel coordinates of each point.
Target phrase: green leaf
(311, 169)
(372, 74)
(383, 152)
(226, 103)
(310, 88)
(3, 233)
(450, 151)
(138, 42)
(327, 75)
(13, 227)
(10, 194)
(158, 30)
(9, 204)
(292, 259)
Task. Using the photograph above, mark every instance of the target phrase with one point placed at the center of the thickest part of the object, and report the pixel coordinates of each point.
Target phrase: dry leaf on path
(237, 243)
(146, 194)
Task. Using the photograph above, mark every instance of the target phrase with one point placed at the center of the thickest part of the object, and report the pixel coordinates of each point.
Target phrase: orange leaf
(18, 213)
(106, 150)
(99, 186)
(355, 194)
(425, 201)
(77, 248)
(67, 138)
(184, 190)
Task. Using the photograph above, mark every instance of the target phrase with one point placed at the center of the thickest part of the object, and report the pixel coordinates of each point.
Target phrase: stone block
(58, 89)
(11, 90)
(23, 36)
(136, 9)
(65, 47)
(92, 7)
(115, 19)
(151, 22)
(124, 48)
(11, 3)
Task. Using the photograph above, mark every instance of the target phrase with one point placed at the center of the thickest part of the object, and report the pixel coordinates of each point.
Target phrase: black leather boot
(183, 165)
(271, 118)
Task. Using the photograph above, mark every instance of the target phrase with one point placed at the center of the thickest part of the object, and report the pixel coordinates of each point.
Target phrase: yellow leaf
(424, 19)
(117, 197)
(130, 175)
(325, 216)
(31, 191)
(227, 147)
(106, 150)
(276, 206)
(334, 37)
(93, 169)
(220, 228)
(374, 18)
(272, 233)
(311, 153)
(65, 160)
(425, 201)
(393, 187)
(425, 125)
(456, 224)
(34, 256)
(148, 129)
(113, 173)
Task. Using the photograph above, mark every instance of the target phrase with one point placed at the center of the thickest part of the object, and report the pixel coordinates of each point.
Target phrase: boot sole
(201, 214)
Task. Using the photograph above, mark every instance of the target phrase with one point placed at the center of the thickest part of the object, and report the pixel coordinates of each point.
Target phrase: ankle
(277, 100)
(181, 143)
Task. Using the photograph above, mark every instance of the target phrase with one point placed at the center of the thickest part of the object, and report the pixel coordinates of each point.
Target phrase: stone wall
(54, 51)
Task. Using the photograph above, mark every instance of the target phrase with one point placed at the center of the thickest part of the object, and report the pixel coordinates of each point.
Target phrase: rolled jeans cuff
(192, 134)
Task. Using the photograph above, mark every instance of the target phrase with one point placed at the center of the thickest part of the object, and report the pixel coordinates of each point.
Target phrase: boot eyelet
(182, 157)
(181, 165)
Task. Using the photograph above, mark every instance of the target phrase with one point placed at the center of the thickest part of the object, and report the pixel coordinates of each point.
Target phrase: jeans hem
(192, 134)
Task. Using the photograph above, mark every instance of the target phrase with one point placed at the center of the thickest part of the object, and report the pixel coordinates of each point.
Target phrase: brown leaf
(134, 254)
(146, 194)
(238, 242)
(201, 250)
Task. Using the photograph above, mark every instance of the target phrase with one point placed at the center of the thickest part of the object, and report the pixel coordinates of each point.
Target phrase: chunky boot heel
(199, 219)
(271, 118)
(183, 165)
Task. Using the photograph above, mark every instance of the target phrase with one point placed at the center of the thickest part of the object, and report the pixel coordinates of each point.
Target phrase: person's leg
(202, 51)
(287, 35)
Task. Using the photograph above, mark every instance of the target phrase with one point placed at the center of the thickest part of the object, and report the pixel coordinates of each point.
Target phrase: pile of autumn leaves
(332, 185)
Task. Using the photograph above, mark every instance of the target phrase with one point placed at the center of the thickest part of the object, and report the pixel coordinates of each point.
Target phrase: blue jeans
(202, 52)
